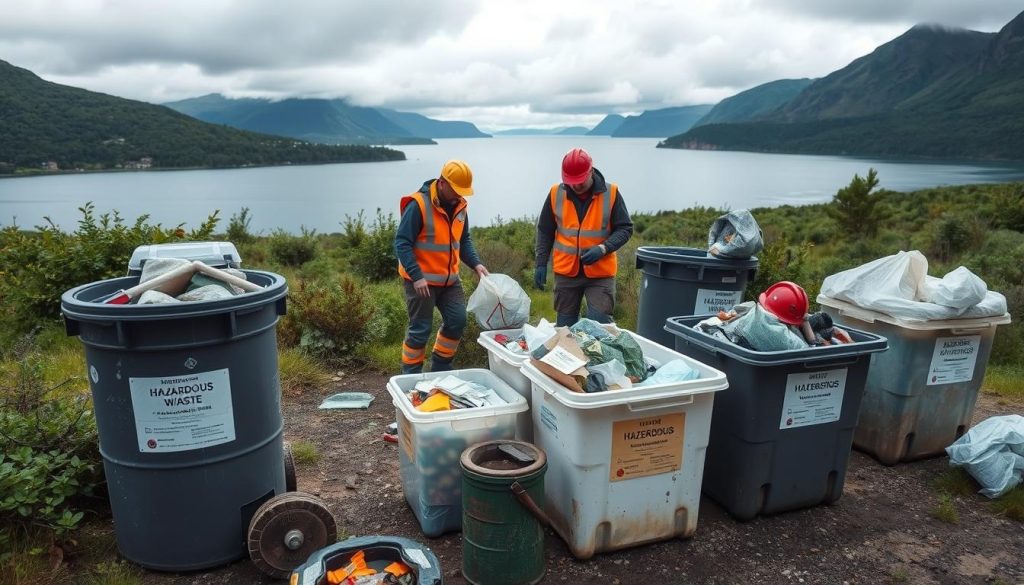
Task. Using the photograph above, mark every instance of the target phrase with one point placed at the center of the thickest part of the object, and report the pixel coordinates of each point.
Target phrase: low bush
(331, 318)
(293, 250)
(374, 257)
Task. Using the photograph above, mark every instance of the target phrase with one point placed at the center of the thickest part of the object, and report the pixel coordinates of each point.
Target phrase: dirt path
(880, 531)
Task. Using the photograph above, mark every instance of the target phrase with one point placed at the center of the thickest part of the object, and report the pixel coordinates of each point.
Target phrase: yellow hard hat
(458, 175)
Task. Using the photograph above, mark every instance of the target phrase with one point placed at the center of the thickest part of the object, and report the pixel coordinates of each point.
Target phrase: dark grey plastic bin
(686, 281)
(781, 436)
(188, 409)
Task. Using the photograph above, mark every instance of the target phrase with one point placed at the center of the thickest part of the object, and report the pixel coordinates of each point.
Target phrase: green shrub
(501, 258)
(854, 206)
(391, 317)
(293, 250)
(238, 227)
(37, 267)
(49, 461)
(354, 229)
(331, 319)
(374, 258)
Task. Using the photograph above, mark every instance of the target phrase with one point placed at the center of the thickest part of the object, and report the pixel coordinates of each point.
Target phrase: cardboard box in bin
(563, 361)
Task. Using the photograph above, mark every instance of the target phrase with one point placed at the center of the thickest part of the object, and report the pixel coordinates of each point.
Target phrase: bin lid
(692, 256)
(864, 343)
(868, 316)
(212, 253)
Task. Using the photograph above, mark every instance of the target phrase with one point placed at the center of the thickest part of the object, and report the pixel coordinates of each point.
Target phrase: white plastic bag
(537, 336)
(993, 453)
(499, 303)
(899, 286)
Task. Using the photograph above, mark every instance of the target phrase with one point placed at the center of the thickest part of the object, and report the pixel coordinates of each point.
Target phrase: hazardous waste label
(647, 446)
(813, 398)
(713, 301)
(184, 412)
(953, 359)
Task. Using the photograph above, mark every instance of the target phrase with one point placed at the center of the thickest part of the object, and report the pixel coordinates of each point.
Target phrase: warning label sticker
(953, 359)
(647, 446)
(813, 398)
(405, 436)
(713, 301)
(184, 412)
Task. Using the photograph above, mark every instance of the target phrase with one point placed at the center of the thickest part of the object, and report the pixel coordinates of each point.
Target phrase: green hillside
(42, 121)
(423, 126)
(930, 93)
(754, 103)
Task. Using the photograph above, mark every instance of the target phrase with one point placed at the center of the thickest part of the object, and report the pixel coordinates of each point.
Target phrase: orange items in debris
(356, 566)
(435, 403)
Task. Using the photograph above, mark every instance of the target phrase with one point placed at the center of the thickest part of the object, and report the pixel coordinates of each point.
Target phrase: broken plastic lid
(347, 400)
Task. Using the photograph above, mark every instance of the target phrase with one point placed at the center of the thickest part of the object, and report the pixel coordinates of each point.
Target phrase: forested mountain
(932, 92)
(661, 123)
(319, 120)
(754, 103)
(42, 122)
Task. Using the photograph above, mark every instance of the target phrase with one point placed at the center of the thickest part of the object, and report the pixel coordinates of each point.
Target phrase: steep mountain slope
(425, 127)
(754, 103)
(608, 125)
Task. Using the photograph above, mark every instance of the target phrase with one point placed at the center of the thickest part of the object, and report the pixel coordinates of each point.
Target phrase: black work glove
(540, 276)
(591, 255)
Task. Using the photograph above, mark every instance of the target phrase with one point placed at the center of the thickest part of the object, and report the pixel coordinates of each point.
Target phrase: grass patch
(304, 452)
(25, 560)
(955, 481)
(1006, 381)
(384, 357)
(900, 576)
(114, 573)
(945, 511)
(1011, 504)
(300, 371)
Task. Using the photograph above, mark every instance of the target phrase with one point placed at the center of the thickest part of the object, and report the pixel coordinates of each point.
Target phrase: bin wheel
(290, 482)
(288, 528)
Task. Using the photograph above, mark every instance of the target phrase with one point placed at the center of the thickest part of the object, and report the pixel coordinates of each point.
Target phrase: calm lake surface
(511, 178)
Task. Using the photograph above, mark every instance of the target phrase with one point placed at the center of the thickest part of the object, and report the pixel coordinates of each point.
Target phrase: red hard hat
(576, 166)
(786, 300)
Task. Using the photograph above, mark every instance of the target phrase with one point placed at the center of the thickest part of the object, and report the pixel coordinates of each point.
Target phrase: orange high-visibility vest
(572, 236)
(437, 246)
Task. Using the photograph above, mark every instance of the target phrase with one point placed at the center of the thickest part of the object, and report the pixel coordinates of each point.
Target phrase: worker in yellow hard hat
(433, 236)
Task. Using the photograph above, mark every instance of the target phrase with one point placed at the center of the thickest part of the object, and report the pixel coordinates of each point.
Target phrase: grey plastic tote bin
(188, 409)
(920, 395)
(781, 436)
(686, 281)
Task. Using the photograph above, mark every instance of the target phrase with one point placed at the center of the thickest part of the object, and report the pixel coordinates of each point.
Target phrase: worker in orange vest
(432, 237)
(582, 223)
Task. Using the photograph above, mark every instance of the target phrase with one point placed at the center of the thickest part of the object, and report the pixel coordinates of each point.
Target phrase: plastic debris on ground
(347, 400)
(735, 235)
(993, 453)
(450, 393)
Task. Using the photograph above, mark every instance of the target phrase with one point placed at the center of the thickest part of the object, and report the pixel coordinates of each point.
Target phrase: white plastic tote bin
(624, 466)
(920, 395)
(430, 444)
(508, 364)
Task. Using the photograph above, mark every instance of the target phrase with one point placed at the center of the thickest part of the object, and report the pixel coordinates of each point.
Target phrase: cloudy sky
(497, 63)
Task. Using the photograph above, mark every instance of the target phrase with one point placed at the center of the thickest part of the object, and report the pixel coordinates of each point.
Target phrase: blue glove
(591, 255)
(540, 276)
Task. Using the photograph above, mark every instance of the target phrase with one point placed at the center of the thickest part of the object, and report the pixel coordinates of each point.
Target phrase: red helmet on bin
(576, 166)
(786, 300)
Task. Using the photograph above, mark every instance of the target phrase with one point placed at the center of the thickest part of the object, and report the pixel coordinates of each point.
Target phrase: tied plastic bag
(993, 453)
(735, 235)
(499, 303)
(613, 373)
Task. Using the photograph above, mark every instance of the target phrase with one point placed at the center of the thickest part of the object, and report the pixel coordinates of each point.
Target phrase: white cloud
(493, 62)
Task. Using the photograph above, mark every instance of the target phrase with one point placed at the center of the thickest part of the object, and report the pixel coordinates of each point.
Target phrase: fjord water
(511, 178)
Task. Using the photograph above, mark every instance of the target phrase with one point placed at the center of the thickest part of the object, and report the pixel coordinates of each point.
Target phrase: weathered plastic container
(781, 437)
(188, 409)
(920, 395)
(431, 443)
(379, 552)
(686, 281)
(624, 466)
(216, 254)
(507, 365)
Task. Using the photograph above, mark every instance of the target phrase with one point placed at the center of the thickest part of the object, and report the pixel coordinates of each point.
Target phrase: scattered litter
(347, 400)
(993, 453)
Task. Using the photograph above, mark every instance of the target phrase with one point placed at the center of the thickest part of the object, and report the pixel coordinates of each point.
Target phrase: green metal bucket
(502, 526)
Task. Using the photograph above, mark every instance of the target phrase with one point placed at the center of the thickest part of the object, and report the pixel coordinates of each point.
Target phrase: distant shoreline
(41, 173)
